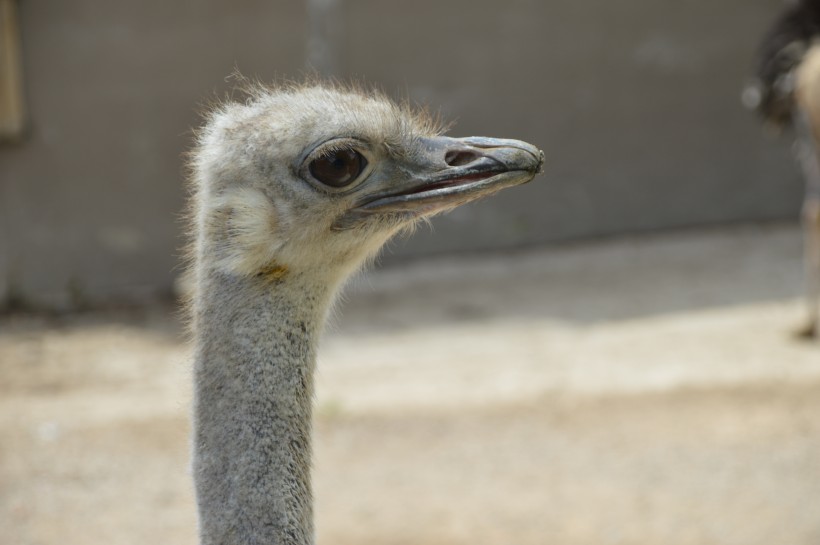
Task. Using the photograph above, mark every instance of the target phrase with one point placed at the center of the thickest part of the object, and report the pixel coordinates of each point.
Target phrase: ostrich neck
(254, 361)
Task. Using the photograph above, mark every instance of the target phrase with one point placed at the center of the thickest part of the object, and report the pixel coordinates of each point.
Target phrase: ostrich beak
(444, 173)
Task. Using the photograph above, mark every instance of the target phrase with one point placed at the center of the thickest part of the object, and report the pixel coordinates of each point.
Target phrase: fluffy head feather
(250, 208)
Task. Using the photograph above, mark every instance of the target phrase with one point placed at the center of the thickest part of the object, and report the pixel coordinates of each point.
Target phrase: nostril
(459, 158)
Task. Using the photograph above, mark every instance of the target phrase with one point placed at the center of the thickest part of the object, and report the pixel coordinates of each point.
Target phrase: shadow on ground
(585, 283)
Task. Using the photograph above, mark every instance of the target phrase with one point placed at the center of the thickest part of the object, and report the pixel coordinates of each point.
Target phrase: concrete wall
(90, 202)
(635, 103)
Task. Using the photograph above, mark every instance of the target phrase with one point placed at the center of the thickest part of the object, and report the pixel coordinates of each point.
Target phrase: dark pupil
(339, 168)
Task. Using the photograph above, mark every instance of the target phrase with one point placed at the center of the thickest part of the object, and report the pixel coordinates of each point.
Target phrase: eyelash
(330, 149)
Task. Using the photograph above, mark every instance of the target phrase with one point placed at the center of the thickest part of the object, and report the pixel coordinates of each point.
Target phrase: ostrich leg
(810, 162)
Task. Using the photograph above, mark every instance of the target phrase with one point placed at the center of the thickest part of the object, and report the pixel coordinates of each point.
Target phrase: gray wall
(635, 103)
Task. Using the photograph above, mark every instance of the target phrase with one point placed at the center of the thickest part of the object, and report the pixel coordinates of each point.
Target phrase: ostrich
(786, 92)
(294, 190)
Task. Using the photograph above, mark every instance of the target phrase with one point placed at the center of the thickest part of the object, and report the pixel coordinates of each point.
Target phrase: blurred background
(637, 108)
(601, 356)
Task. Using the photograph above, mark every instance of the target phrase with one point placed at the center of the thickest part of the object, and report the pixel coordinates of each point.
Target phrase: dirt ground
(636, 391)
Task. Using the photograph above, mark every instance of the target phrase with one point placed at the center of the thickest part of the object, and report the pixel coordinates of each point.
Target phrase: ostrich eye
(338, 168)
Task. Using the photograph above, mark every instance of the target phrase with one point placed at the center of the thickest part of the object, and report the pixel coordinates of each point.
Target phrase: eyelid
(338, 144)
(326, 151)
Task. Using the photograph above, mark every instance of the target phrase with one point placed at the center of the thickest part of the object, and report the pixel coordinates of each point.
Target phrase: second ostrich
(294, 190)
(786, 91)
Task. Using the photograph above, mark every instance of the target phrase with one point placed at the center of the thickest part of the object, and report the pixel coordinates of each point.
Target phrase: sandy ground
(638, 391)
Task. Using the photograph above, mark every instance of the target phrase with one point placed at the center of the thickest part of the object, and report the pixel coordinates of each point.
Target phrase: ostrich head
(316, 178)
